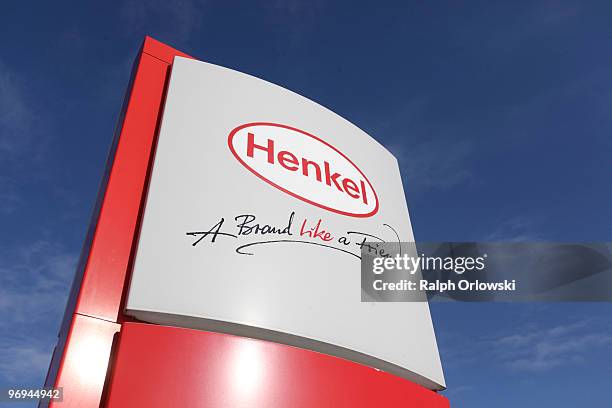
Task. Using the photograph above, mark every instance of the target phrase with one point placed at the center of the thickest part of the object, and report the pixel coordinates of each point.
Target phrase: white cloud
(435, 164)
(24, 362)
(430, 157)
(34, 283)
(541, 350)
(15, 115)
(516, 229)
(540, 17)
(174, 20)
(530, 348)
(17, 148)
(298, 17)
(459, 389)
(9, 199)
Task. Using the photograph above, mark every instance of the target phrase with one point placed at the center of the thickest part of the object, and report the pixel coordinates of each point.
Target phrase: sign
(258, 205)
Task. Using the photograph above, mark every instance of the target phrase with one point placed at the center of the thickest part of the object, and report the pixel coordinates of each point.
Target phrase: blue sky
(499, 113)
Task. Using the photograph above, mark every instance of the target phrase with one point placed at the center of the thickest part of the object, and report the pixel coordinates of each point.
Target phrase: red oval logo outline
(316, 204)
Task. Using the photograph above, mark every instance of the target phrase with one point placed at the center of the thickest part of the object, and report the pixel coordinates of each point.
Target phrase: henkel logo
(305, 167)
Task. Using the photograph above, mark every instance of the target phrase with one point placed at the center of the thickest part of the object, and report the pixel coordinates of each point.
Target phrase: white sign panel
(258, 203)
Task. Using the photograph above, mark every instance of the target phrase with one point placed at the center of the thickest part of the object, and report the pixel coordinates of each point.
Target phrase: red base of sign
(160, 366)
(103, 359)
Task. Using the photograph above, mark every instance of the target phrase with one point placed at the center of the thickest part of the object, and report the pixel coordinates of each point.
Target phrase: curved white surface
(303, 294)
